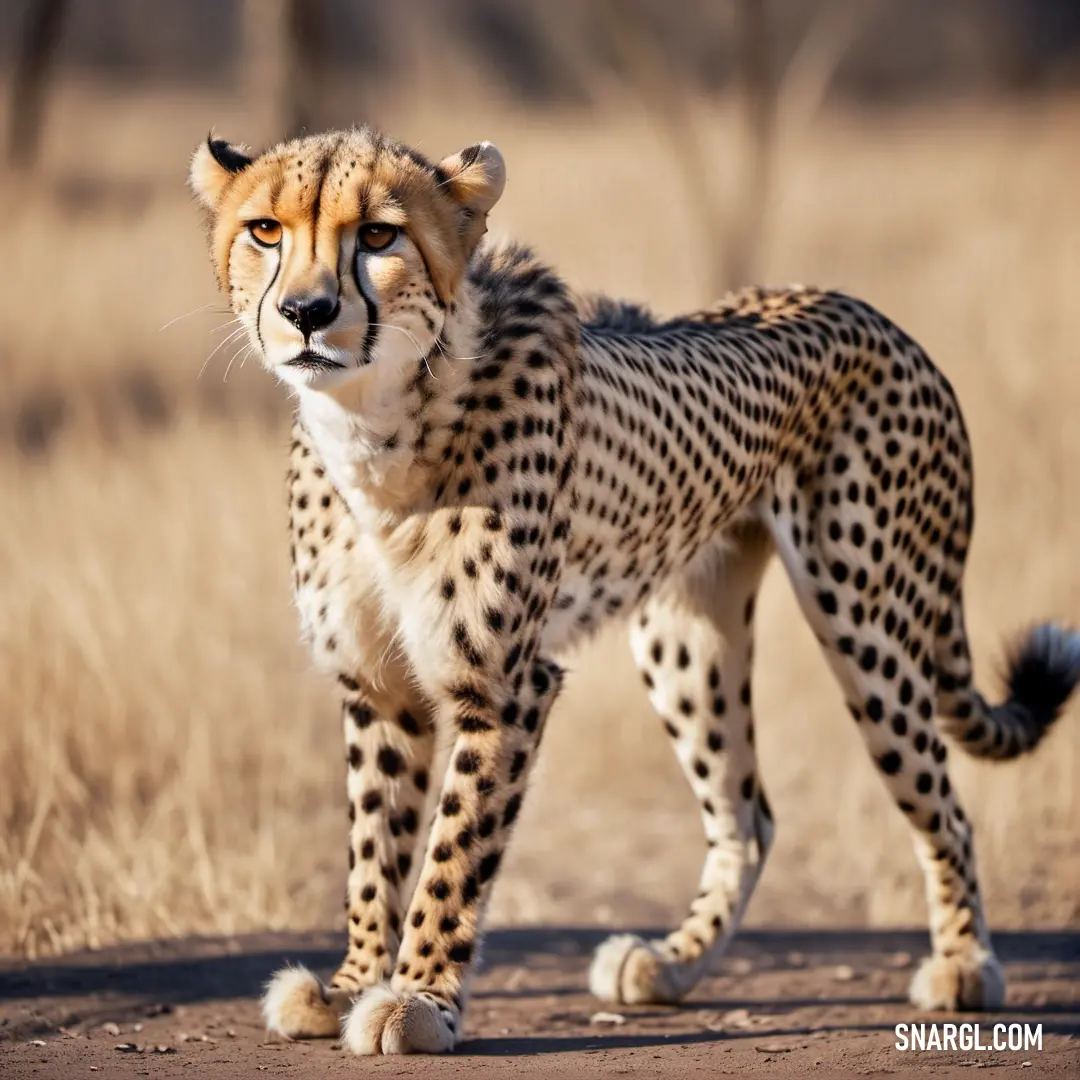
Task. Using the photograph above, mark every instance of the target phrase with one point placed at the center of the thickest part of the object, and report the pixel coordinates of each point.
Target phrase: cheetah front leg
(474, 643)
(389, 742)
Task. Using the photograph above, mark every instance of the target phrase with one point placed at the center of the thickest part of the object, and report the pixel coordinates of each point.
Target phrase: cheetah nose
(309, 313)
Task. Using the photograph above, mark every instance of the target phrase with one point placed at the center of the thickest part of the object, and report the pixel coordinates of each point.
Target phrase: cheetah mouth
(313, 361)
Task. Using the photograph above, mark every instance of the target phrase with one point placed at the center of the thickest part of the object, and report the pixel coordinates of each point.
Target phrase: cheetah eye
(376, 236)
(265, 232)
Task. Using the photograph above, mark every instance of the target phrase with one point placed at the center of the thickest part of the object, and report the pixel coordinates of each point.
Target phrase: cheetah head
(343, 251)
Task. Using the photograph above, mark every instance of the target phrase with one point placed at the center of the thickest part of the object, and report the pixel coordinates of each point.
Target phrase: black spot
(827, 601)
(468, 761)
(362, 715)
(513, 805)
(460, 953)
(541, 680)
(890, 762)
(518, 764)
(469, 694)
(470, 722)
(512, 657)
(408, 722)
(390, 761)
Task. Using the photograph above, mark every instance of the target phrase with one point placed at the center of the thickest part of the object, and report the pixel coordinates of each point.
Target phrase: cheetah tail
(1042, 669)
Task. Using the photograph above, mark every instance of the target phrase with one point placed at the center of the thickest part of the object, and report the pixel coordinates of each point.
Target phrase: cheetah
(486, 467)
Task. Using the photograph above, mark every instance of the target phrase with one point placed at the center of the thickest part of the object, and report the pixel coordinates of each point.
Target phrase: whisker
(194, 311)
(228, 366)
(416, 344)
(249, 349)
(242, 352)
(442, 348)
(245, 350)
(221, 344)
(230, 322)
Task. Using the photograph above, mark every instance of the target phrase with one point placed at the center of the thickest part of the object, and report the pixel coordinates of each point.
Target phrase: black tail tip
(1043, 670)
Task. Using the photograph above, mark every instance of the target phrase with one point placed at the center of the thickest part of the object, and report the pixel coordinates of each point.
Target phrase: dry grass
(167, 762)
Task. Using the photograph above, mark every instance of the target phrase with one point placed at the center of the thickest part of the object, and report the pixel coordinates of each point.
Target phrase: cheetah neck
(382, 434)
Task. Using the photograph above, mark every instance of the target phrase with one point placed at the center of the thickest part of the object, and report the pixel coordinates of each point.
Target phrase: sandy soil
(784, 1004)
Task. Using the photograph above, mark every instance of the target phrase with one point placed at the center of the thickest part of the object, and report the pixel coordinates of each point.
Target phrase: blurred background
(169, 764)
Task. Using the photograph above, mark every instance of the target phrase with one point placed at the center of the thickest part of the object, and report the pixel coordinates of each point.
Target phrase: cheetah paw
(296, 1005)
(386, 1021)
(628, 970)
(959, 983)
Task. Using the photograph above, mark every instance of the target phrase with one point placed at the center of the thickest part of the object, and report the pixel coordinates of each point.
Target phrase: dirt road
(786, 1004)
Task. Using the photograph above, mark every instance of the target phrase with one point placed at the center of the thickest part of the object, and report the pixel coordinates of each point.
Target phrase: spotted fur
(485, 469)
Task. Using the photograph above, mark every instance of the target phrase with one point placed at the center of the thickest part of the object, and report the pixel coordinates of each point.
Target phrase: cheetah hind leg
(693, 646)
(892, 698)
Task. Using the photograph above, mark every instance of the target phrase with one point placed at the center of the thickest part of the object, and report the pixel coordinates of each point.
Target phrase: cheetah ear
(214, 163)
(475, 178)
